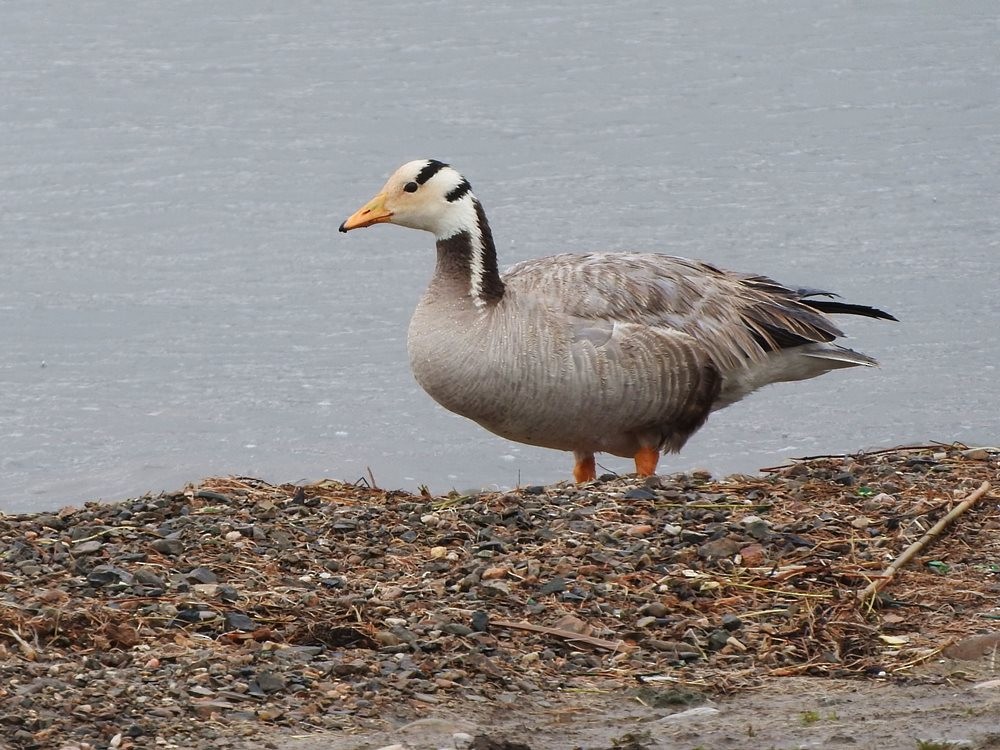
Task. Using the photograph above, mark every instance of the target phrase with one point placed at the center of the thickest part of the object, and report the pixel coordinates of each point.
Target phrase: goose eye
(411, 187)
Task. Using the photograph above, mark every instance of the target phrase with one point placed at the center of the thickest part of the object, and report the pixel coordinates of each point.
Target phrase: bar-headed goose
(619, 352)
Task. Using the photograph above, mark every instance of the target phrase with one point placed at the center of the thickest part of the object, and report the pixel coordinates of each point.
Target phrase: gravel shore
(235, 613)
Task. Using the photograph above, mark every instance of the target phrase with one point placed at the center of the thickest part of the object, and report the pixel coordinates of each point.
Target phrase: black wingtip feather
(845, 308)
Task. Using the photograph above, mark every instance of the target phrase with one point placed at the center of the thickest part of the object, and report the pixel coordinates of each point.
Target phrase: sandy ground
(961, 709)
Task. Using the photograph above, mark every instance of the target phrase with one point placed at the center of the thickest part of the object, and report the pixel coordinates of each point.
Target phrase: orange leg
(584, 469)
(645, 461)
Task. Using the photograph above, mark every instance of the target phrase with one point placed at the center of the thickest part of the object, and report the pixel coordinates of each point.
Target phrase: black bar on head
(430, 169)
(458, 191)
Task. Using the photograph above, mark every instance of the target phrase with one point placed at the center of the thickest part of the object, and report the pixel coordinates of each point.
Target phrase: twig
(910, 552)
(567, 635)
(26, 648)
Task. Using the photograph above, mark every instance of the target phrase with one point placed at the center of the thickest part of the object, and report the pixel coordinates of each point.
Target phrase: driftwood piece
(910, 552)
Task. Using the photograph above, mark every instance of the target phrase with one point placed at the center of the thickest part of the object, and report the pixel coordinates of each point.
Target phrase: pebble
(698, 712)
(169, 547)
(654, 609)
(640, 493)
(87, 548)
(977, 454)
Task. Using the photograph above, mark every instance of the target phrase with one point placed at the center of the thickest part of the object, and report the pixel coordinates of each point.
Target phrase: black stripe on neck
(458, 191)
(455, 261)
(431, 168)
(492, 286)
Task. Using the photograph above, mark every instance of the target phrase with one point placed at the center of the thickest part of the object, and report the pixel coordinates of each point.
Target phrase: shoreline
(274, 610)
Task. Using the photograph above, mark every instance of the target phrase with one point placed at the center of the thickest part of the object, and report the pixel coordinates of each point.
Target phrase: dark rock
(49, 521)
(455, 628)
(227, 593)
(759, 530)
(731, 622)
(88, 547)
(480, 621)
(103, 575)
(717, 639)
(239, 621)
(692, 537)
(202, 575)
(169, 547)
(845, 478)
(149, 579)
(267, 682)
(640, 493)
(555, 586)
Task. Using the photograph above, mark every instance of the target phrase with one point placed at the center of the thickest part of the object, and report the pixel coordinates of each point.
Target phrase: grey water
(175, 301)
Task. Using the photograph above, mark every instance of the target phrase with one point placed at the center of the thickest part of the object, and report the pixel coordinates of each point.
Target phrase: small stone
(752, 555)
(103, 575)
(654, 609)
(717, 639)
(861, 522)
(719, 548)
(87, 548)
(555, 586)
(671, 529)
(692, 537)
(535, 489)
(758, 528)
(480, 621)
(976, 454)
(202, 575)
(731, 622)
(494, 573)
(239, 621)
(845, 478)
(149, 579)
(698, 712)
(387, 638)
(169, 547)
(639, 530)
(267, 682)
(456, 628)
(438, 552)
(51, 522)
(640, 493)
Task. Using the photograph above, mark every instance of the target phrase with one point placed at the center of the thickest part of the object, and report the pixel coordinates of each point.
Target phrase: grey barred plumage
(624, 353)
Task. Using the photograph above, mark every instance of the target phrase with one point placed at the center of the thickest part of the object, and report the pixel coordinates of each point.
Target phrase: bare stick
(567, 635)
(910, 552)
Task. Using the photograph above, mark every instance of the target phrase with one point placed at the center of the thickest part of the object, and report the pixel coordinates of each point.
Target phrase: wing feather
(736, 318)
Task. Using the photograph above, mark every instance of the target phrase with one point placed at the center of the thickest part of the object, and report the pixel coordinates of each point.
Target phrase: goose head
(423, 194)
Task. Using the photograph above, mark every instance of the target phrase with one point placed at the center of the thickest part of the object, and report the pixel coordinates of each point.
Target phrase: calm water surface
(175, 301)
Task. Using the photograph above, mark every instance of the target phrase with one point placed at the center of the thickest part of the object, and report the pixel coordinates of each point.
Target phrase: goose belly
(530, 387)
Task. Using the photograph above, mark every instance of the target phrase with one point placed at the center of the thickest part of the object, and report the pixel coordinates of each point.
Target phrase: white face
(422, 194)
